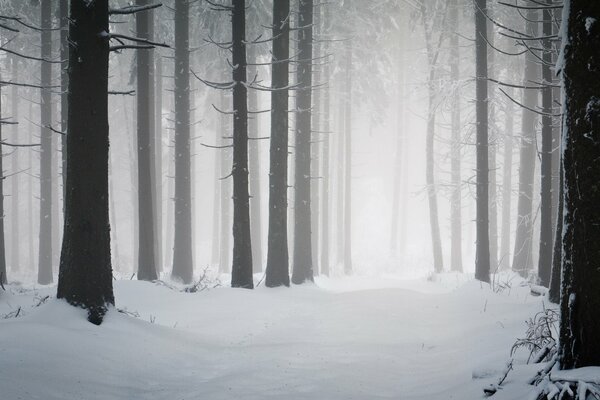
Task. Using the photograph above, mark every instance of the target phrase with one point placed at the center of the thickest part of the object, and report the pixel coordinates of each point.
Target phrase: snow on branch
(133, 9)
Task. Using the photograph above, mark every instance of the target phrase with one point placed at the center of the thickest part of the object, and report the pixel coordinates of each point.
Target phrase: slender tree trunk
(580, 295)
(522, 255)
(146, 227)
(492, 152)
(113, 216)
(315, 146)
(348, 165)
(30, 221)
(302, 267)
(3, 277)
(546, 216)
(182, 245)
(158, 149)
(482, 257)
(225, 257)
(241, 269)
(456, 196)
(339, 219)
(45, 244)
(85, 277)
(325, 155)
(15, 231)
(215, 251)
(255, 172)
(63, 6)
(507, 185)
(277, 273)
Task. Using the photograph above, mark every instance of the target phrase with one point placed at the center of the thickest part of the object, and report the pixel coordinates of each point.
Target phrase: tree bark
(45, 242)
(302, 265)
(522, 255)
(546, 216)
(348, 164)
(225, 156)
(85, 277)
(255, 172)
(555, 279)
(507, 185)
(146, 226)
(16, 220)
(182, 244)
(456, 196)
(325, 156)
(580, 295)
(241, 269)
(277, 273)
(482, 257)
(3, 277)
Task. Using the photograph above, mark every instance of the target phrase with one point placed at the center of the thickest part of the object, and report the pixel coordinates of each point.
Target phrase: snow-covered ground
(346, 338)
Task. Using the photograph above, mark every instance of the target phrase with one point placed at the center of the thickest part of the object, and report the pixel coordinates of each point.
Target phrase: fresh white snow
(345, 338)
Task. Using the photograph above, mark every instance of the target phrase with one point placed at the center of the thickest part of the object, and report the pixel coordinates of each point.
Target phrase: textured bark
(241, 269)
(580, 295)
(455, 156)
(302, 264)
(182, 245)
(158, 168)
(85, 277)
(339, 190)
(482, 256)
(45, 242)
(63, 7)
(546, 216)
(215, 249)
(555, 279)
(146, 226)
(492, 151)
(277, 273)
(522, 255)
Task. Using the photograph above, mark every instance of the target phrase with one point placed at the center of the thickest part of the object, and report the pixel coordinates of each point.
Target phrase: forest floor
(345, 338)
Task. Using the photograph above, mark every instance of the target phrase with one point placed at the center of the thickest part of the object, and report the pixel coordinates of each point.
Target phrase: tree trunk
(456, 196)
(45, 244)
(15, 231)
(85, 277)
(507, 185)
(3, 277)
(522, 255)
(339, 219)
(482, 257)
(182, 243)
(554, 292)
(580, 296)
(492, 152)
(277, 273)
(348, 164)
(241, 269)
(325, 155)
(215, 251)
(546, 216)
(63, 6)
(146, 226)
(303, 268)
(255, 172)
(158, 149)
(226, 221)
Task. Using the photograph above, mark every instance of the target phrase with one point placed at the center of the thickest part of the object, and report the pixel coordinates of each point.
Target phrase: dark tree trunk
(241, 269)
(216, 200)
(146, 226)
(182, 245)
(522, 255)
(456, 196)
(277, 273)
(63, 6)
(303, 268)
(554, 292)
(580, 296)
(492, 151)
(482, 256)
(85, 277)
(45, 242)
(507, 185)
(546, 216)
